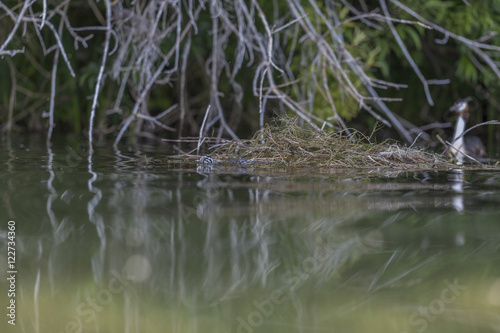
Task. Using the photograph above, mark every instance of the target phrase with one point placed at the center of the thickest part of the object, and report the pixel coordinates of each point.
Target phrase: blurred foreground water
(133, 242)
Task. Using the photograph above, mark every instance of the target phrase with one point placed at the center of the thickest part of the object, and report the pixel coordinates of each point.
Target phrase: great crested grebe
(462, 146)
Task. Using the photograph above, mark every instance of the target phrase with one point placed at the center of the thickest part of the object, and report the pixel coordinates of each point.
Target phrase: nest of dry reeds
(291, 144)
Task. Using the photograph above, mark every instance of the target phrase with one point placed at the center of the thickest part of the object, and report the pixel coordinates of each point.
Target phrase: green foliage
(467, 70)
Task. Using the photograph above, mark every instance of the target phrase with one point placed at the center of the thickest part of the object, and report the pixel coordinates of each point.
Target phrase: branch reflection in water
(124, 244)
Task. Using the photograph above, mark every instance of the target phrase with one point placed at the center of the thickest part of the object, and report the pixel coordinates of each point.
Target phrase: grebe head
(461, 107)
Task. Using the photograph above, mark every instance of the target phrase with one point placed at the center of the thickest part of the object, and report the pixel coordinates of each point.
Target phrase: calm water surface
(132, 242)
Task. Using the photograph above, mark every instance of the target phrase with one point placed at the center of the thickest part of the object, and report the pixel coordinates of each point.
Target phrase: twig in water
(55, 62)
(202, 128)
(101, 73)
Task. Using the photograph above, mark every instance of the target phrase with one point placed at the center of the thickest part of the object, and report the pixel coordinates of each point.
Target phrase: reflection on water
(132, 242)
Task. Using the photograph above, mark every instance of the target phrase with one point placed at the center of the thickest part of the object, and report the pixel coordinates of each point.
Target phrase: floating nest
(289, 144)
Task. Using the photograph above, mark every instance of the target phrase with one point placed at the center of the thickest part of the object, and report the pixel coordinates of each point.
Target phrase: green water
(131, 242)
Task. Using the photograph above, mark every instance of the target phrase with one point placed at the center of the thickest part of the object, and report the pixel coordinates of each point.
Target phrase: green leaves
(466, 69)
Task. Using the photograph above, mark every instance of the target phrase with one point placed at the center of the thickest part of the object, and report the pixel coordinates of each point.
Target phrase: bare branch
(202, 130)
(406, 53)
(152, 79)
(17, 20)
(55, 63)
(107, 3)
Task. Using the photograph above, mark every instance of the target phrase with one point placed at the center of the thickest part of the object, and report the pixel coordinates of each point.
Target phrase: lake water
(134, 242)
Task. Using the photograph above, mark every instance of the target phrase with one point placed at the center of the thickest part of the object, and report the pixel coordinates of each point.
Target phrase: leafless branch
(406, 53)
(99, 80)
(202, 130)
(17, 21)
(53, 84)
